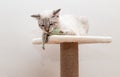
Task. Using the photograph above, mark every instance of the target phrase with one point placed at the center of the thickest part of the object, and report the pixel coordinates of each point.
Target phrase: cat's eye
(55, 16)
(42, 25)
(51, 24)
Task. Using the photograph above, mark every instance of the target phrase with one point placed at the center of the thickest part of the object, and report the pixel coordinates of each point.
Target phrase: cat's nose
(47, 29)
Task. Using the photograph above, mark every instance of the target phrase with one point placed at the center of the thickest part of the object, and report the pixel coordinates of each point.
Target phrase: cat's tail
(83, 19)
(84, 22)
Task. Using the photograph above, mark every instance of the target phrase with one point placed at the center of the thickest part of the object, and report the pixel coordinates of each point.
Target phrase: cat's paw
(69, 32)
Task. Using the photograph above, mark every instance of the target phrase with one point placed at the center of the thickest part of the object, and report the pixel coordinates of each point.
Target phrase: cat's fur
(68, 24)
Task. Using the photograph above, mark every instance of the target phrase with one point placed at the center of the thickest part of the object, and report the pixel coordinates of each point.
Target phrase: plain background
(19, 58)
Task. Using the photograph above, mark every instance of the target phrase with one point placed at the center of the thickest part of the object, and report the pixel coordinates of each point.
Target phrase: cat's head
(48, 20)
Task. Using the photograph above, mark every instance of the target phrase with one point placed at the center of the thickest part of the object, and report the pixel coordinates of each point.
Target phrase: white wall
(19, 58)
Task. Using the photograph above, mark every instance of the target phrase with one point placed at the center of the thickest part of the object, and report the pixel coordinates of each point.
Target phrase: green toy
(57, 32)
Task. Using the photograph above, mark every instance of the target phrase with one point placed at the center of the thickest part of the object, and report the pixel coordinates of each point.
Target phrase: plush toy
(57, 32)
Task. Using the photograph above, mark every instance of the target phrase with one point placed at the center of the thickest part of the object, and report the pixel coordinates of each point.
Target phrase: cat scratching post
(69, 50)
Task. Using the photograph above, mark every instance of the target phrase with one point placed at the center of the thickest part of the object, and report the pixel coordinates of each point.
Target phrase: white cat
(67, 24)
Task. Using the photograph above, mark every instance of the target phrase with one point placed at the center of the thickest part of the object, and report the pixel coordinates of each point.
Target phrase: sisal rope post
(69, 59)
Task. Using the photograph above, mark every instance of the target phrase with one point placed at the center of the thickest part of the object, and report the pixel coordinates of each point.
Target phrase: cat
(66, 24)
(50, 20)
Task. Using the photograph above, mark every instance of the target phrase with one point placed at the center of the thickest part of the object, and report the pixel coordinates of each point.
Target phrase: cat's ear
(37, 16)
(56, 12)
